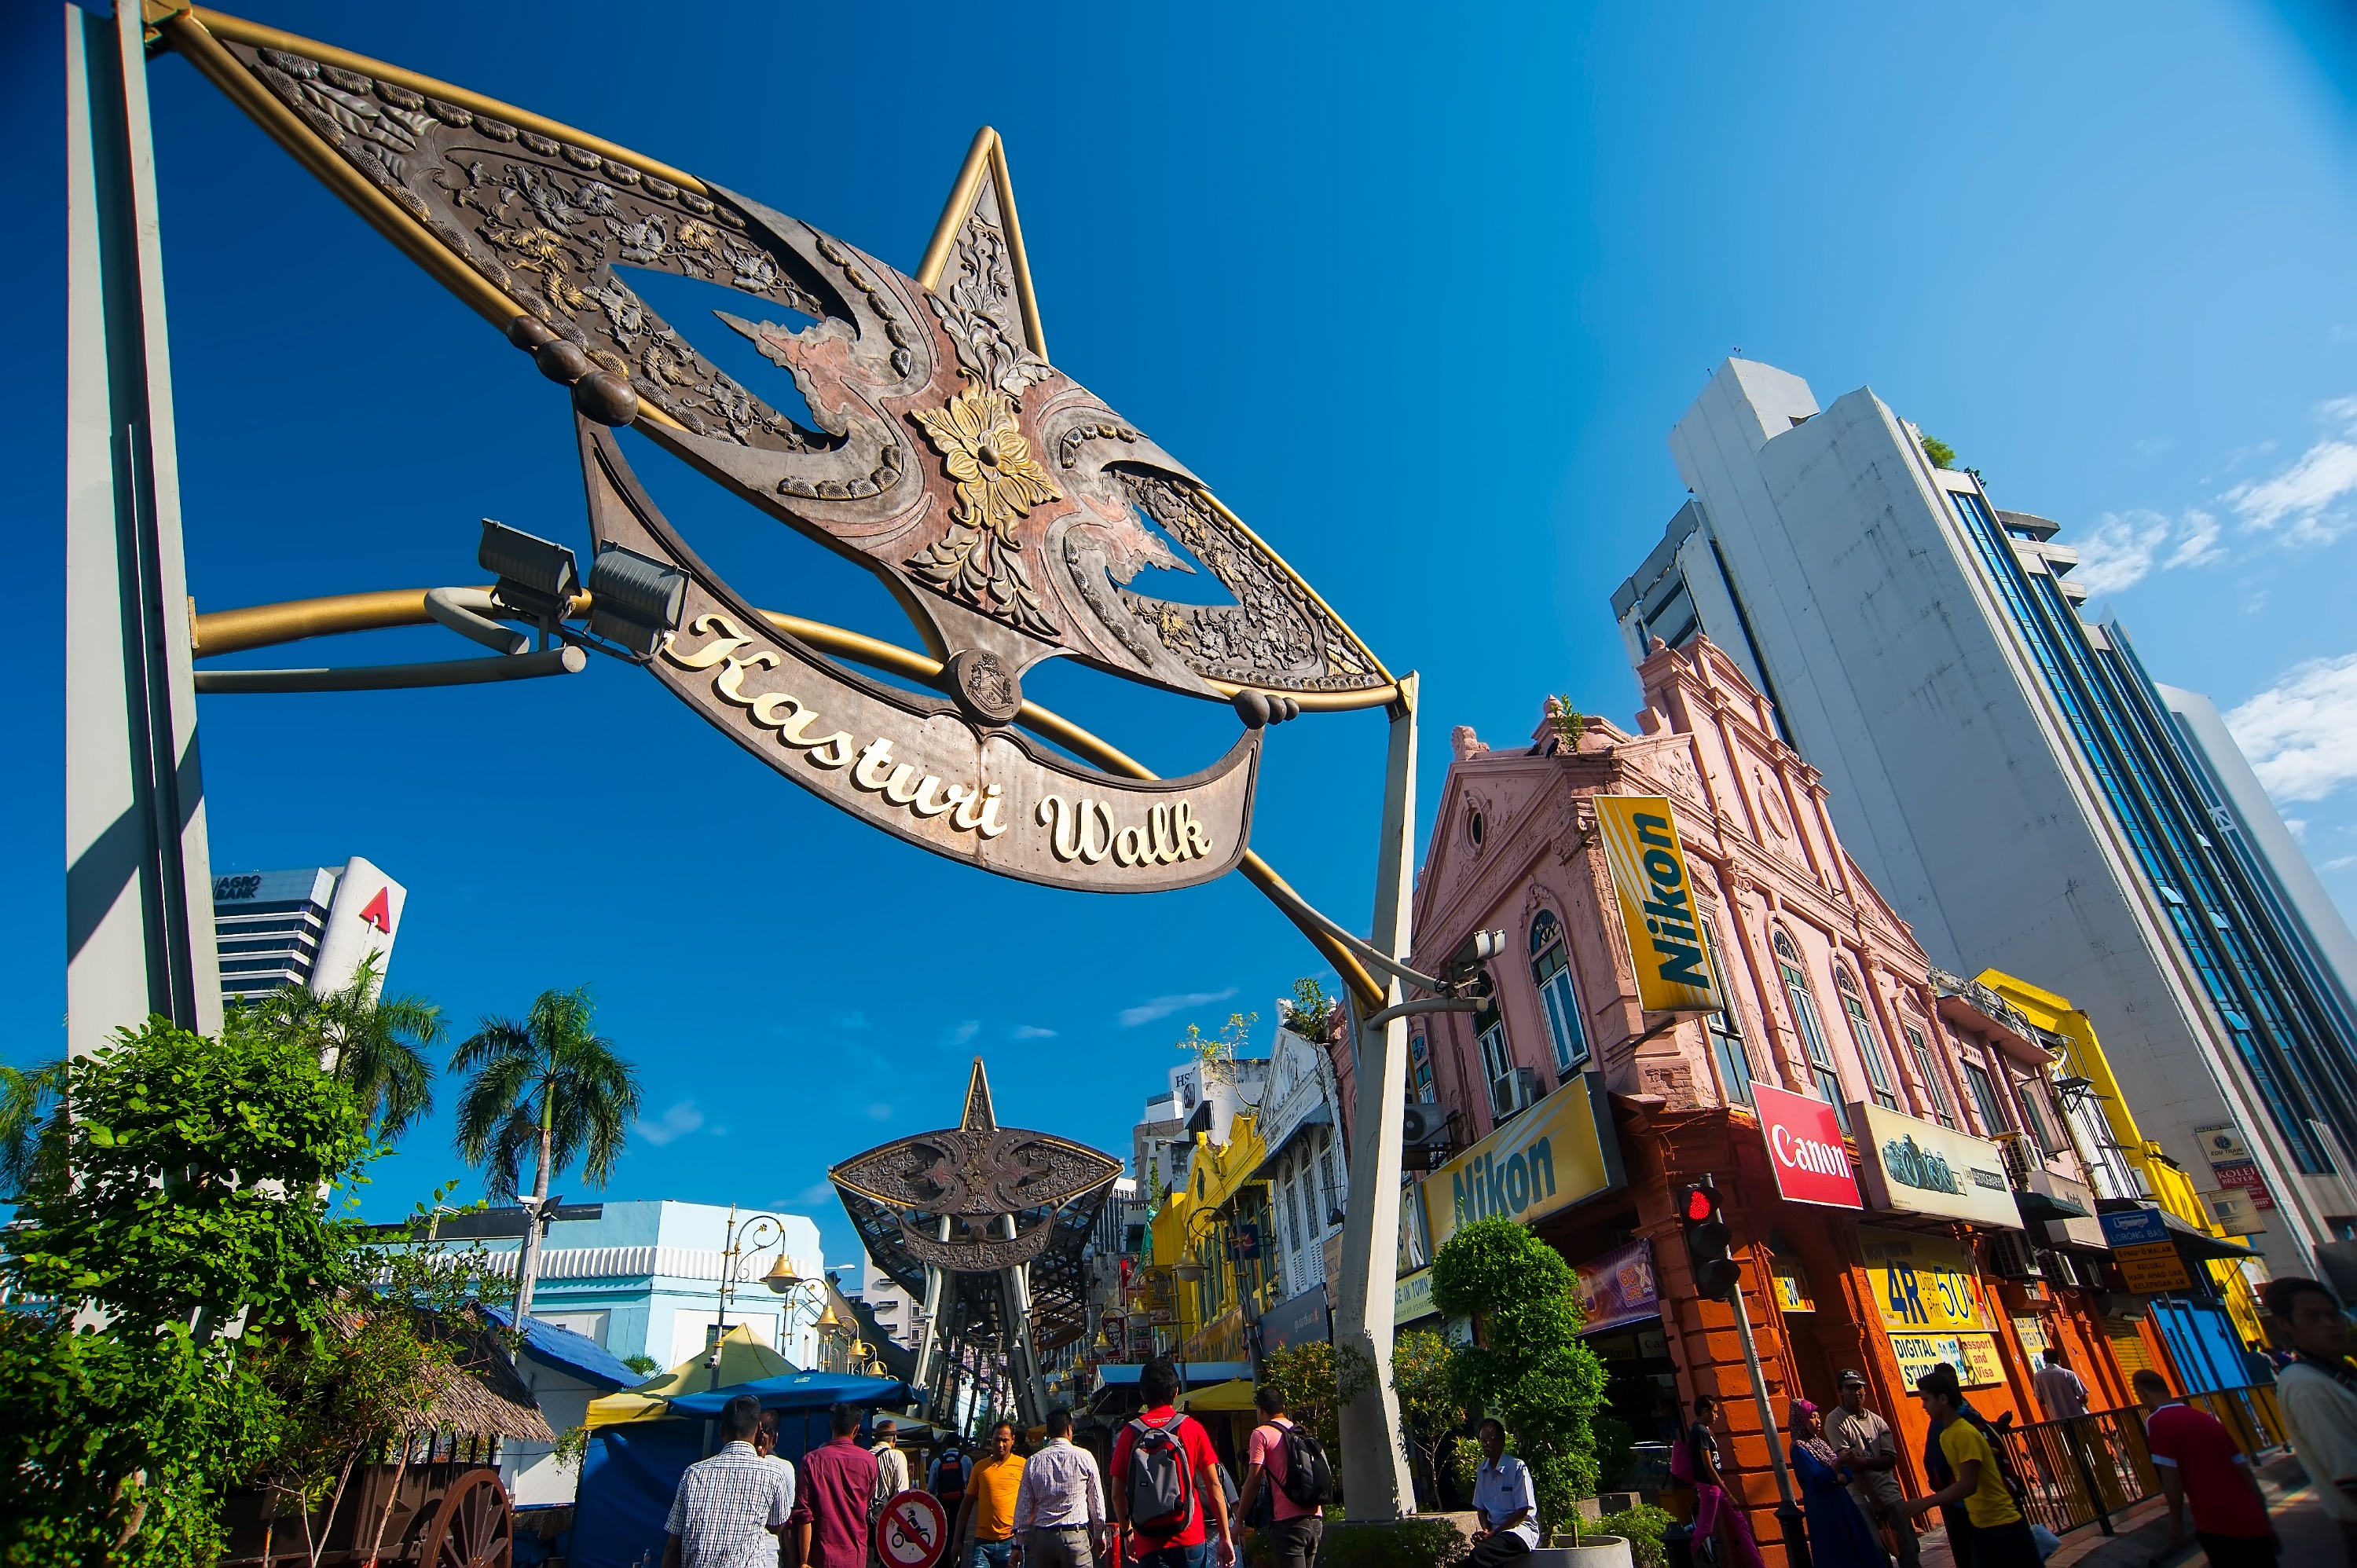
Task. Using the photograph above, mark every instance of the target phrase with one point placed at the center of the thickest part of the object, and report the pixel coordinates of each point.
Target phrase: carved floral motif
(998, 483)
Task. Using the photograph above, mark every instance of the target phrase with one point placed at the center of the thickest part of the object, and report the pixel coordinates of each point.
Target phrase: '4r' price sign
(913, 1530)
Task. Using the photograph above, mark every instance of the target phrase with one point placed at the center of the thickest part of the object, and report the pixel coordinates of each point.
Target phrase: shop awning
(1235, 1394)
(2199, 1245)
(1196, 1373)
(2038, 1208)
(798, 1391)
(743, 1359)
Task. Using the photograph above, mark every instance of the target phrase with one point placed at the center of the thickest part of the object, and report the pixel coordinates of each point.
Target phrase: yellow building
(1212, 1233)
(2100, 1113)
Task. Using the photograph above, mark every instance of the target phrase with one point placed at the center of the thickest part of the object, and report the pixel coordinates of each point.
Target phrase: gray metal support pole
(1030, 1392)
(1788, 1512)
(1376, 1483)
(139, 930)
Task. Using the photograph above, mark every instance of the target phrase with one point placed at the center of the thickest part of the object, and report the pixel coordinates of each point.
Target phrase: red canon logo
(1804, 1146)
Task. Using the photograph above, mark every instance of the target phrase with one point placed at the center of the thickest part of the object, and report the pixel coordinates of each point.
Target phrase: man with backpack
(1167, 1483)
(1999, 1533)
(1287, 1471)
(946, 1480)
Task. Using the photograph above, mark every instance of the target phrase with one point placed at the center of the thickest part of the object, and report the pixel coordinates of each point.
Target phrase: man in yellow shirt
(2001, 1536)
(990, 1501)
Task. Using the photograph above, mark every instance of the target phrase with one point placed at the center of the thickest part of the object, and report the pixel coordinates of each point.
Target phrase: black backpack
(951, 1476)
(1160, 1490)
(1308, 1479)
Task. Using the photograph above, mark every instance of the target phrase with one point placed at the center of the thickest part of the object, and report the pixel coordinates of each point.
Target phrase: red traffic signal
(1707, 1240)
(1702, 1204)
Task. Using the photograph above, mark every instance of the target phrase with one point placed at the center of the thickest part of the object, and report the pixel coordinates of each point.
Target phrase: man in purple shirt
(838, 1487)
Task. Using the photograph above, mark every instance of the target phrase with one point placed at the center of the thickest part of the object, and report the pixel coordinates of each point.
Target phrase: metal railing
(2078, 1473)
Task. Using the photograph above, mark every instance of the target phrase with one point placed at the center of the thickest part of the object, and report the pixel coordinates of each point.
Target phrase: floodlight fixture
(634, 600)
(538, 577)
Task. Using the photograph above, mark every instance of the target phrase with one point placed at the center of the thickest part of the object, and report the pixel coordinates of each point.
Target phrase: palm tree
(553, 1086)
(27, 1097)
(374, 1044)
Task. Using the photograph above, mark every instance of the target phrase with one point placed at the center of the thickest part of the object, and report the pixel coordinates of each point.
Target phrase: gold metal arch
(218, 632)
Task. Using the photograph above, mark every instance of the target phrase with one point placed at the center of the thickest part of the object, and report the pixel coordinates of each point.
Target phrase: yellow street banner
(2152, 1268)
(1649, 875)
(1974, 1356)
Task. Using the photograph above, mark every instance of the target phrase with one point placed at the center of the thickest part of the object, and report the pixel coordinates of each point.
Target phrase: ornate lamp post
(755, 1232)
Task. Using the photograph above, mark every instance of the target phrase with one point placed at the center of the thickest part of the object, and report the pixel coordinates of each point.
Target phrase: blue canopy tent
(631, 1470)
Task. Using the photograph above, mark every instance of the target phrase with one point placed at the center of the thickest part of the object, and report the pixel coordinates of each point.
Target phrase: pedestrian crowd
(1161, 1499)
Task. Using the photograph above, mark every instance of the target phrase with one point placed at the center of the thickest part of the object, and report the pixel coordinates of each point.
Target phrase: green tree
(374, 1043)
(1943, 455)
(1316, 1382)
(26, 1097)
(187, 1185)
(1431, 1409)
(1530, 1367)
(551, 1085)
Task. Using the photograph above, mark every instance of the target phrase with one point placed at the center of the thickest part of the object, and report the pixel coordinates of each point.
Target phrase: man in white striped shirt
(1060, 1507)
(729, 1509)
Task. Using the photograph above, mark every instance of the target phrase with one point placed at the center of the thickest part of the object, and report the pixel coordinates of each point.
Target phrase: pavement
(2310, 1539)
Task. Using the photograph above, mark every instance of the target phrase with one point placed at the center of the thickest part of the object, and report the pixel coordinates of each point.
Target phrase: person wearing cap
(891, 1475)
(2001, 1533)
(1869, 1449)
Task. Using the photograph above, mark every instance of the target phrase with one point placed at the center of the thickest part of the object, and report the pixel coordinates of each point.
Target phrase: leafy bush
(1642, 1527)
(1467, 1456)
(1943, 455)
(1532, 1367)
(1409, 1543)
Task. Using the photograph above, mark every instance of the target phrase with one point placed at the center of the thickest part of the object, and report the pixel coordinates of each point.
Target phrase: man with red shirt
(2200, 1463)
(829, 1519)
(1178, 1450)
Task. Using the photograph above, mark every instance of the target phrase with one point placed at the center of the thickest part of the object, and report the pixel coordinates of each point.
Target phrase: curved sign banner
(1805, 1146)
(918, 766)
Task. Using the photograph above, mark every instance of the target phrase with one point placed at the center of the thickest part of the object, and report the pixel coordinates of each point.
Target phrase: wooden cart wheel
(474, 1528)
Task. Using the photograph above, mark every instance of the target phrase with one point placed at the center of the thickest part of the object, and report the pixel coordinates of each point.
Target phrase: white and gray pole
(139, 931)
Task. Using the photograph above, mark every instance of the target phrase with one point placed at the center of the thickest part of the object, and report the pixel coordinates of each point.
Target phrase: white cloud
(959, 1034)
(2302, 500)
(2197, 545)
(1033, 1032)
(2343, 863)
(1163, 1007)
(2295, 826)
(2120, 550)
(677, 1123)
(2300, 734)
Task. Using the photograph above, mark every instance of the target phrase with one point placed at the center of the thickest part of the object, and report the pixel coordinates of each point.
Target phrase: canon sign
(1805, 1145)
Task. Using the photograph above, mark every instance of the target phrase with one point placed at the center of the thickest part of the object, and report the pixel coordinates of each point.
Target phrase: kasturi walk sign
(1649, 875)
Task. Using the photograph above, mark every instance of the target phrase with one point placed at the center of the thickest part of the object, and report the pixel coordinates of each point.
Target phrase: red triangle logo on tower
(379, 912)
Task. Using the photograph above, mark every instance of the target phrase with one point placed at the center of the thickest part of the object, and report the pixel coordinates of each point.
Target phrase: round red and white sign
(913, 1530)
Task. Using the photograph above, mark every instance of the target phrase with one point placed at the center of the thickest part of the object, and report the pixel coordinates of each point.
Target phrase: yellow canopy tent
(743, 1358)
(1232, 1397)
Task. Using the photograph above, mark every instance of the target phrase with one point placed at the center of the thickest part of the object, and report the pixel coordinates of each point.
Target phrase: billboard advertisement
(1648, 876)
(1805, 1146)
(1557, 1153)
(1914, 1166)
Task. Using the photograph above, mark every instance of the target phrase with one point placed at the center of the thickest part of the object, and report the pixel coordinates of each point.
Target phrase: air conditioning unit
(1425, 1122)
(2012, 1258)
(1517, 1090)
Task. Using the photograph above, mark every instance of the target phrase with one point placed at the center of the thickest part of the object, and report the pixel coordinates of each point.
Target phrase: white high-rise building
(313, 927)
(2011, 778)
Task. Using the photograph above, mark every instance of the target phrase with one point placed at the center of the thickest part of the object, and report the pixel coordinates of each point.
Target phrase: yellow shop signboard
(1557, 1153)
(1924, 1284)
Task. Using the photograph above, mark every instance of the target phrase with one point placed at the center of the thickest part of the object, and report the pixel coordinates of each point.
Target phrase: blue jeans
(991, 1554)
(1196, 1556)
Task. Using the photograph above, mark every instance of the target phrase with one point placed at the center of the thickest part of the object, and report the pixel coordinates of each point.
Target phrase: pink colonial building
(1572, 1109)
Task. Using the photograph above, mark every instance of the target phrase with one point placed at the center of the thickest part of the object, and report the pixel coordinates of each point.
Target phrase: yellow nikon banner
(1649, 875)
(1558, 1152)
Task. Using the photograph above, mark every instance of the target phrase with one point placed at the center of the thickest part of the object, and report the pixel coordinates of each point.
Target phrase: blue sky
(1419, 292)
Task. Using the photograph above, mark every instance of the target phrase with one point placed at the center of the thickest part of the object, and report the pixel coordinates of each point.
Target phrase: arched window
(1869, 1045)
(1934, 1087)
(1726, 1027)
(1812, 1028)
(1551, 972)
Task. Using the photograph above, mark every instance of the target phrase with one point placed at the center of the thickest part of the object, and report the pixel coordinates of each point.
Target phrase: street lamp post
(757, 1232)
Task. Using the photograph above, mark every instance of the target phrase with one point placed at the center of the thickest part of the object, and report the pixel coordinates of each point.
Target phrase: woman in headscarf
(1839, 1536)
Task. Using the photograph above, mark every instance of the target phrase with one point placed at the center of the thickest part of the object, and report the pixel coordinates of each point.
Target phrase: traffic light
(1714, 1273)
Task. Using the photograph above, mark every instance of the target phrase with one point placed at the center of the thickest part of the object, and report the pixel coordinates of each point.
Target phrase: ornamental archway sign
(999, 500)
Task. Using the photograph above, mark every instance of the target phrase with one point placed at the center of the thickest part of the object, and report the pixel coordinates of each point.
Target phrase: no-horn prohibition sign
(913, 1530)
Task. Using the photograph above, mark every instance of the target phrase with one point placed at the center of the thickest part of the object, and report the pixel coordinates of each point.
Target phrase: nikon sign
(1558, 1152)
(1649, 873)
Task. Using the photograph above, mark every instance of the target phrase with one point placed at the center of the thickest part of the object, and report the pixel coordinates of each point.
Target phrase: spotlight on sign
(634, 600)
(538, 577)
